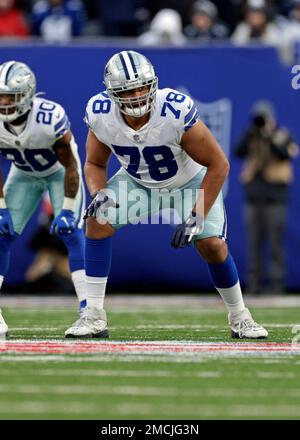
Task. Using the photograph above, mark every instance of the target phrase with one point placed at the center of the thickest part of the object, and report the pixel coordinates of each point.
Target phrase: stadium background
(142, 256)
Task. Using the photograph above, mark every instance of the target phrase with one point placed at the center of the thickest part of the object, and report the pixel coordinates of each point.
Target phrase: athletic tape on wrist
(2, 203)
(69, 204)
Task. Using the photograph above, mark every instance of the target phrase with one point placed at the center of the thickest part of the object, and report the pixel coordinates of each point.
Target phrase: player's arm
(64, 222)
(1, 185)
(6, 224)
(95, 167)
(65, 156)
(202, 147)
(95, 170)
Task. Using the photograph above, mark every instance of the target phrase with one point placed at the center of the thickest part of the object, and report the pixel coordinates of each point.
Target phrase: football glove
(64, 223)
(185, 232)
(6, 224)
(100, 201)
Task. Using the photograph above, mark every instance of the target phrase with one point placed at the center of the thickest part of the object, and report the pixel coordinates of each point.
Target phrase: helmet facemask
(135, 106)
(18, 82)
(18, 107)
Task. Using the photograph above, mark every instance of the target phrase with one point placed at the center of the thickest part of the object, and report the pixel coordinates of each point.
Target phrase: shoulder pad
(52, 115)
(180, 107)
(98, 105)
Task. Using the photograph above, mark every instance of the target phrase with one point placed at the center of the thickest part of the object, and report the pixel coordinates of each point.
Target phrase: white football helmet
(18, 80)
(130, 70)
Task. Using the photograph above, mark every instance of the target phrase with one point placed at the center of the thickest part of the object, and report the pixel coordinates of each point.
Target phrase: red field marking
(163, 347)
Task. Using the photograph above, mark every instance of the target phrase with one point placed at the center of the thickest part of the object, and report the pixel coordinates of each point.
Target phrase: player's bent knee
(212, 249)
(98, 231)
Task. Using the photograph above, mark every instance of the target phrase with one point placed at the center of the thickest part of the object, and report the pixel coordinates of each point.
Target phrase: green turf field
(135, 386)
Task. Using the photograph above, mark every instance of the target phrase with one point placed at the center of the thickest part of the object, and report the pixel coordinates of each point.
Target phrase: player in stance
(35, 136)
(161, 143)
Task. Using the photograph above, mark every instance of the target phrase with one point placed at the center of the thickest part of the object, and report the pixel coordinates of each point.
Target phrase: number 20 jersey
(32, 150)
(151, 155)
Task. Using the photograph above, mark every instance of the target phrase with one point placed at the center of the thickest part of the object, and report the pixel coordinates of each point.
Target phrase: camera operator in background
(268, 151)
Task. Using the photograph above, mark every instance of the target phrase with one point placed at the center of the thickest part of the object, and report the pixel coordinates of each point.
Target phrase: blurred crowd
(153, 22)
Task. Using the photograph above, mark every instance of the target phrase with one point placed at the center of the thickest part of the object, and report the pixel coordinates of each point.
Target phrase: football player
(161, 143)
(35, 136)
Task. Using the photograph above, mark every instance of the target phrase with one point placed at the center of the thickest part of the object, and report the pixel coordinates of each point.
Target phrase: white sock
(79, 282)
(233, 298)
(1, 280)
(95, 287)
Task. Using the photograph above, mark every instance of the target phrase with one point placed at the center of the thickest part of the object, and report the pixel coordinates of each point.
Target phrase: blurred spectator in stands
(291, 26)
(93, 25)
(257, 25)
(268, 151)
(230, 12)
(58, 20)
(122, 18)
(12, 20)
(165, 28)
(204, 23)
(294, 12)
(182, 7)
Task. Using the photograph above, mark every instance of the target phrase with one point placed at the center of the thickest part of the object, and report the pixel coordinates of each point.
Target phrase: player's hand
(6, 224)
(64, 223)
(185, 232)
(100, 201)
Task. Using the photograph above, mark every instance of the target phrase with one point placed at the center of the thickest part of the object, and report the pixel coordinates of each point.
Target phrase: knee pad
(75, 245)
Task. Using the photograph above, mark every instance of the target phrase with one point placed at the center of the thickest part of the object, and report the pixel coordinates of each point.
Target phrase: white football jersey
(151, 155)
(31, 151)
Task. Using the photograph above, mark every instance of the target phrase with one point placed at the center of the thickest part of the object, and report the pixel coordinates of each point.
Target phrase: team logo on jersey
(136, 138)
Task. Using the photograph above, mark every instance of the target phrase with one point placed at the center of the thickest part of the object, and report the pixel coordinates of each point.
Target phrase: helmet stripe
(8, 70)
(5, 71)
(124, 66)
(129, 65)
(132, 64)
(2, 74)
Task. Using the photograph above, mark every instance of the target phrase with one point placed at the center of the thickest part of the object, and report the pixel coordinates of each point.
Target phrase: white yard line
(34, 328)
(161, 391)
(195, 358)
(276, 375)
(274, 411)
(41, 407)
(197, 327)
(278, 360)
(201, 326)
(204, 411)
(55, 372)
(201, 411)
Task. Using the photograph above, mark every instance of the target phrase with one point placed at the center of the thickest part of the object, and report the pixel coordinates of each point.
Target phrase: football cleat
(92, 324)
(243, 326)
(3, 327)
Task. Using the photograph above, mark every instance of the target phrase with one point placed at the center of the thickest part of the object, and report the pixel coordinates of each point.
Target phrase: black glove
(184, 233)
(100, 201)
